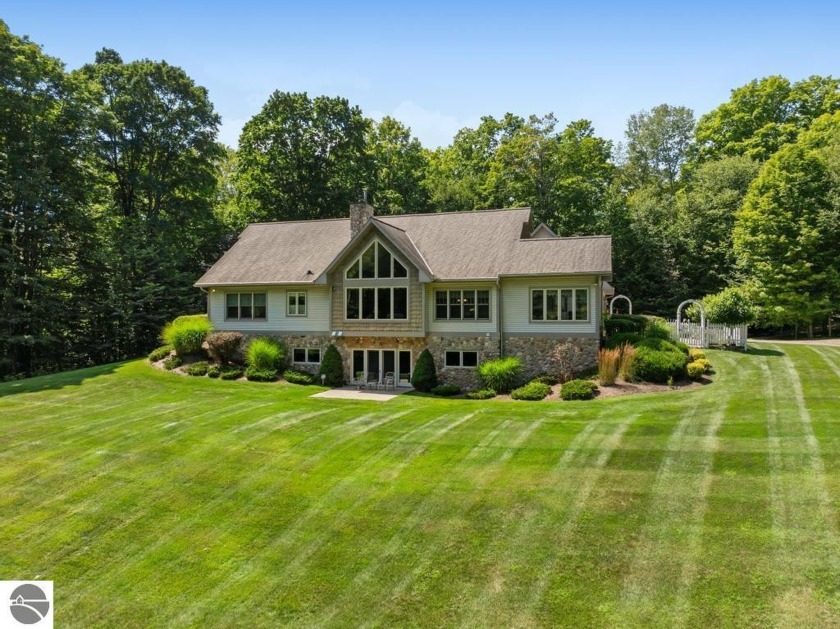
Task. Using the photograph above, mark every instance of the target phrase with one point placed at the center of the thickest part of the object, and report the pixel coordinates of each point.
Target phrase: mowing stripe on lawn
(293, 533)
(671, 537)
(430, 509)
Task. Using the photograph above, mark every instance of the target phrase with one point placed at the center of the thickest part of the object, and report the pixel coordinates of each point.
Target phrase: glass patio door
(374, 364)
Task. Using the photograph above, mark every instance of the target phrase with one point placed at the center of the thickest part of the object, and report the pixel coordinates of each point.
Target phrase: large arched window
(376, 262)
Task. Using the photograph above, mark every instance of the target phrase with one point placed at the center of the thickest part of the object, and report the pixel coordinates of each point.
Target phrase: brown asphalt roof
(449, 246)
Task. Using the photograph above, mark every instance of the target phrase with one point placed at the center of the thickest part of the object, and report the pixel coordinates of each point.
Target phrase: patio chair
(358, 380)
(388, 380)
(372, 379)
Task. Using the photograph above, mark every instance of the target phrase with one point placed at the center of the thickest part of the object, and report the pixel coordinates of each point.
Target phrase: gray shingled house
(466, 285)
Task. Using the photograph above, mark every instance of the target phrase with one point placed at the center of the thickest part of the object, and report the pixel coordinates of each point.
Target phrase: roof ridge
(298, 220)
(565, 238)
(486, 211)
(378, 219)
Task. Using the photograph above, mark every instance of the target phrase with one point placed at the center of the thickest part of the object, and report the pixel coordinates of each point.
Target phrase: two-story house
(468, 286)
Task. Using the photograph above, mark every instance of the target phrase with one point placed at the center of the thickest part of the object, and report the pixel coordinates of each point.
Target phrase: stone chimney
(360, 214)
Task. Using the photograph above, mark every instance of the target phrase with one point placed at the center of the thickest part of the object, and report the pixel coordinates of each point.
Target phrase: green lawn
(154, 500)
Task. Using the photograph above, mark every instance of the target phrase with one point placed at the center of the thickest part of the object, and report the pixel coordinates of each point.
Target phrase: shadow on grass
(754, 351)
(57, 380)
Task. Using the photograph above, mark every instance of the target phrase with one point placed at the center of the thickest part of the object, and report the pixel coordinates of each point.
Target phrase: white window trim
(297, 293)
(376, 303)
(358, 260)
(460, 353)
(461, 290)
(574, 290)
(306, 351)
(239, 306)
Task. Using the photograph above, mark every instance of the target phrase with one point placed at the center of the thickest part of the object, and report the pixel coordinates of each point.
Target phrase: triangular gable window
(376, 262)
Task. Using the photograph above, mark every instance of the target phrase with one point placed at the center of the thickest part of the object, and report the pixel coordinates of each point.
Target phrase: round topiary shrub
(332, 367)
(532, 391)
(696, 353)
(424, 377)
(500, 374)
(266, 354)
(481, 394)
(578, 390)
(659, 366)
(186, 334)
(695, 370)
(445, 390)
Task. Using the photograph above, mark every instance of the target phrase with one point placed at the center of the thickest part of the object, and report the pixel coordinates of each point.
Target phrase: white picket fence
(714, 334)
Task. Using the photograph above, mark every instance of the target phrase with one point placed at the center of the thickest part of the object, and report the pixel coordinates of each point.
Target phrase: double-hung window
(245, 306)
(559, 304)
(296, 303)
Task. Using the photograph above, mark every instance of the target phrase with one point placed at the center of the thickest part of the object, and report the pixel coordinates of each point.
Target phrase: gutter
(499, 317)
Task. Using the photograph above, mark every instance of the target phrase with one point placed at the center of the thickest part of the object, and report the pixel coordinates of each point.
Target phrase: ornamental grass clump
(627, 362)
(500, 374)
(265, 354)
(608, 361)
(186, 334)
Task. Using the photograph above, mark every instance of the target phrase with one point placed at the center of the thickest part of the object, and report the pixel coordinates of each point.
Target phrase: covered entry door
(378, 363)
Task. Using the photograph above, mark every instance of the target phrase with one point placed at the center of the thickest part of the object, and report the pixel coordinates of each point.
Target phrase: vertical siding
(466, 327)
(317, 317)
(516, 305)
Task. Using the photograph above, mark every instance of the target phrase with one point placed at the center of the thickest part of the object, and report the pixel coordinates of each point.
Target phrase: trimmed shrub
(695, 370)
(532, 391)
(706, 364)
(214, 371)
(695, 353)
(617, 340)
(682, 347)
(658, 330)
(265, 354)
(186, 334)
(255, 374)
(481, 394)
(424, 377)
(500, 374)
(197, 369)
(616, 324)
(230, 372)
(224, 346)
(332, 367)
(445, 390)
(608, 360)
(627, 362)
(569, 359)
(172, 362)
(661, 345)
(546, 378)
(298, 377)
(578, 390)
(659, 365)
(160, 353)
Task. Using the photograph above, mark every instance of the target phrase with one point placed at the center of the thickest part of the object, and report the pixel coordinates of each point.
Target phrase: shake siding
(413, 326)
(466, 327)
(516, 306)
(317, 317)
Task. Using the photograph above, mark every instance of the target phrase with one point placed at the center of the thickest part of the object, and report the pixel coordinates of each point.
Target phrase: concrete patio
(354, 393)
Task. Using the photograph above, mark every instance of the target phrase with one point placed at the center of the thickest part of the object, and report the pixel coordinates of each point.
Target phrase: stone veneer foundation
(536, 352)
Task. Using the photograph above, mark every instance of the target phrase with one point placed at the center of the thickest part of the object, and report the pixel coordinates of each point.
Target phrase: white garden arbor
(625, 298)
(692, 339)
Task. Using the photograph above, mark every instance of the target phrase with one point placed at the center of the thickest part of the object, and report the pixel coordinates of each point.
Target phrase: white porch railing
(714, 334)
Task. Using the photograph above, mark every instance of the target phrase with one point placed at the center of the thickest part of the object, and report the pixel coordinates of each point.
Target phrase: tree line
(115, 194)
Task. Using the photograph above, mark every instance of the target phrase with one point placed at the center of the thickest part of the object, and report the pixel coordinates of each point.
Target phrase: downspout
(499, 318)
(206, 301)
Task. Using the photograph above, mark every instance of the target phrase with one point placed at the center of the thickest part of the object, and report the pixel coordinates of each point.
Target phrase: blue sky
(439, 66)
